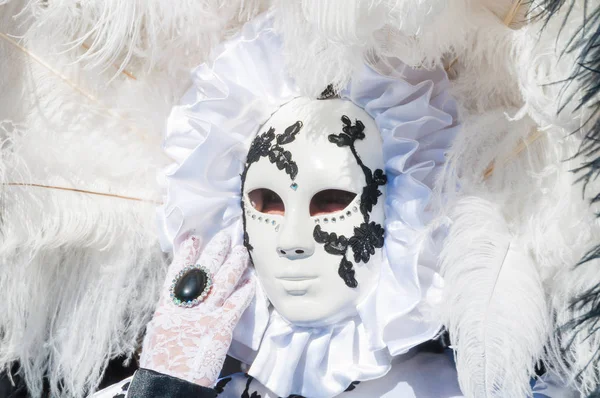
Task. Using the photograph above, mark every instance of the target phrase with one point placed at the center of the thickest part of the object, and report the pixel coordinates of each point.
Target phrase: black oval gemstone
(190, 285)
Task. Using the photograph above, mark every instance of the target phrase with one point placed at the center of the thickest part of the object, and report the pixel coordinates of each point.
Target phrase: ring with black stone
(190, 286)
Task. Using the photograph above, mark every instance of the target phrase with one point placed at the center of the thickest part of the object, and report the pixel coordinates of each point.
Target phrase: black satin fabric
(147, 383)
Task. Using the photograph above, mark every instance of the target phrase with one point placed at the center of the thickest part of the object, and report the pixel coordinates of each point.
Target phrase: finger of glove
(228, 276)
(241, 298)
(187, 254)
(215, 252)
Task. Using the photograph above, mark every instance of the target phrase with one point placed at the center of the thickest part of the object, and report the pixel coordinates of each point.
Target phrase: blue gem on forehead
(294, 186)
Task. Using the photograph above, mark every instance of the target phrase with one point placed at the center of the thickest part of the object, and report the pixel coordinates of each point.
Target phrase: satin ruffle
(209, 135)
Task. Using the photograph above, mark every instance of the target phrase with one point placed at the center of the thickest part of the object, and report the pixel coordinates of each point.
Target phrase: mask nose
(295, 253)
(295, 239)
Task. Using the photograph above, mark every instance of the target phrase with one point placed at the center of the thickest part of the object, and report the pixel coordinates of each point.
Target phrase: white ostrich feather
(543, 67)
(562, 227)
(495, 306)
(80, 273)
(562, 235)
(534, 188)
(537, 195)
(326, 41)
(575, 353)
(313, 59)
(490, 139)
(140, 34)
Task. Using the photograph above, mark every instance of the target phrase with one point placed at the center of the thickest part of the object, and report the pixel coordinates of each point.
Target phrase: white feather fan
(495, 304)
(80, 271)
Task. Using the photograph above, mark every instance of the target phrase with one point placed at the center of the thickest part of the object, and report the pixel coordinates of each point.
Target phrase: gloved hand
(191, 343)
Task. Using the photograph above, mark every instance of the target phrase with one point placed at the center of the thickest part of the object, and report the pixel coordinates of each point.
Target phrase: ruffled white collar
(324, 361)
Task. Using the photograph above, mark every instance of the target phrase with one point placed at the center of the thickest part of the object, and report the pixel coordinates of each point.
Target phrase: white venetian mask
(314, 193)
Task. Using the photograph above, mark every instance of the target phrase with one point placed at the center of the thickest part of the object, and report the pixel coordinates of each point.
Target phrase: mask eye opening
(266, 201)
(330, 201)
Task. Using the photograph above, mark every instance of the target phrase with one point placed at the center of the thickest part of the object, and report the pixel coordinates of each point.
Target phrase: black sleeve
(147, 383)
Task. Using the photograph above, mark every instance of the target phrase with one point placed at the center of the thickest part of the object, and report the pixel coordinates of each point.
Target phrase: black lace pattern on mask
(369, 235)
(263, 146)
(269, 145)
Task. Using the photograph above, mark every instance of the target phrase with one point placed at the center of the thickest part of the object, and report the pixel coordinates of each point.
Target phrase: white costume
(337, 314)
(211, 133)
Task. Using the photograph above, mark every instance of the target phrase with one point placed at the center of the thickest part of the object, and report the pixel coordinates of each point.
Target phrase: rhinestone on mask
(190, 286)
(294, 186)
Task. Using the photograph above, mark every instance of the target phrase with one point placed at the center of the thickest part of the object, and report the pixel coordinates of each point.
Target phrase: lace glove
(191, 343)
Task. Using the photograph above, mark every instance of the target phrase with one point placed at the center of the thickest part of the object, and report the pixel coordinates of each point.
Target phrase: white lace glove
(191, 343)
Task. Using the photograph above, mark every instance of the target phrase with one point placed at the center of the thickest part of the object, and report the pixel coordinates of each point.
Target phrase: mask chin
(313, 194)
